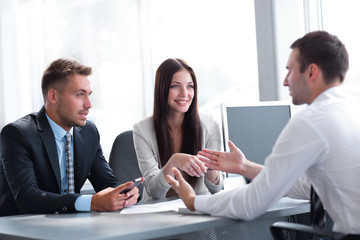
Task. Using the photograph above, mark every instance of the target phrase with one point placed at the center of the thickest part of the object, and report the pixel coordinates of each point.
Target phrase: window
(106, 36)
(216, 37)
(125, 41)
(338, 18)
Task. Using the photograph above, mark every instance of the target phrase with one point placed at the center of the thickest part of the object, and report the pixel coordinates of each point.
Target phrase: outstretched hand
(182, 188)
(111, 199)
(231, 162)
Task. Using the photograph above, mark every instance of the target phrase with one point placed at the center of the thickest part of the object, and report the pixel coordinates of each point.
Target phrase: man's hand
(231, 162)
(182, 188)
(110, 199)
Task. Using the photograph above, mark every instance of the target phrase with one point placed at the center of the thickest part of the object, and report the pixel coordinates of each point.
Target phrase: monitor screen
(254, 129)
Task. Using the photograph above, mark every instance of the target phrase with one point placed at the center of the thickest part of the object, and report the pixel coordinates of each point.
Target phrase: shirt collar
(329, 93)
(58, 131)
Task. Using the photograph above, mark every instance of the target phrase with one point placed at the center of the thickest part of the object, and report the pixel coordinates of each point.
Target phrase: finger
(189, 170)
(178, 175)
(172, 181)
(132, 192)
(209, 151)
(232, 146)
(208, 155)
(195, 170)
(209, 164)
(132, 200)
(121, 187)
(201, 164)
(208, 161)
(212, 167)
(200, 168)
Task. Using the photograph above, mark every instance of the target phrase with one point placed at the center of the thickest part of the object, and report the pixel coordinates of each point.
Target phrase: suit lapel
(48, 139)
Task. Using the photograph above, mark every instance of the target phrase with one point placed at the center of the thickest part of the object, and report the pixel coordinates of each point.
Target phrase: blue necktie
(70, 165)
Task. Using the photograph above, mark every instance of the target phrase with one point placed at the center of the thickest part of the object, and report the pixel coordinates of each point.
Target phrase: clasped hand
(187, 163)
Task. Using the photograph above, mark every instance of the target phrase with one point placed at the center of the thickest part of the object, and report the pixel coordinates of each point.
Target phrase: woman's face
(181, 92)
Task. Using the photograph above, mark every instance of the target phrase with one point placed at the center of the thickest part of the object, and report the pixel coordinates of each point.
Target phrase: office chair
(123, 160)
(281, 230)
(285, 230)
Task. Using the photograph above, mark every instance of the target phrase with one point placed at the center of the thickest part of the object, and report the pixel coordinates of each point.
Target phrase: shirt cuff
(200, 204)
(83, 203)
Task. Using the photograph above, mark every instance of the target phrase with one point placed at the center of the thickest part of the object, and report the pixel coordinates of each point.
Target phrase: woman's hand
(185, 162)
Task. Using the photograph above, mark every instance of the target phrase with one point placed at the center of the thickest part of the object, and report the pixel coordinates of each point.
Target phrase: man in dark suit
(35, 160)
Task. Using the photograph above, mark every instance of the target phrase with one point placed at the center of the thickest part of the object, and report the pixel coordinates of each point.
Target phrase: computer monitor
(254, 128)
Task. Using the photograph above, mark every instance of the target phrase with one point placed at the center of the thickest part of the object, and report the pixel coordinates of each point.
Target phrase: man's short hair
(58, 73)
(324, 50)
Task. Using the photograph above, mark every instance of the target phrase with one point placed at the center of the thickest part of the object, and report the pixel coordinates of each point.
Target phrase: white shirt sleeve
(301, 189)
(290, 158)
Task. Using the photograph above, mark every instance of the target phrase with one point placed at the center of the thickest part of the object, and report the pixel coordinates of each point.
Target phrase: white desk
(113, 225)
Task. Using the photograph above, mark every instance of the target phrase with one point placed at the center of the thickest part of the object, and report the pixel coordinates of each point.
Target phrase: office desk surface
(113, 225)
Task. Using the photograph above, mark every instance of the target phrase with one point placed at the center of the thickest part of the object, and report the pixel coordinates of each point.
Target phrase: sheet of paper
(173, 205)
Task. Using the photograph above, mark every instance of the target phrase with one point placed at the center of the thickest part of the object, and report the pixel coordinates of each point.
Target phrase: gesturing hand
(182, 188)
(231, 162)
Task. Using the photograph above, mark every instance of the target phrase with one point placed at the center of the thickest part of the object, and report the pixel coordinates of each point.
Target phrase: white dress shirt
(321, 146)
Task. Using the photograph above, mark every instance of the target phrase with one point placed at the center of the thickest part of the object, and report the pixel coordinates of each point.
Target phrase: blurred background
(238, 49)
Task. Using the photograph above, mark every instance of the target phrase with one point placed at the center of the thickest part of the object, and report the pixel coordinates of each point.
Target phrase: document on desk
(173, 205)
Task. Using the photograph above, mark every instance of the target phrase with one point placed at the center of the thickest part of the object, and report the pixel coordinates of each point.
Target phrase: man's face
(74, 103)
(296, 81)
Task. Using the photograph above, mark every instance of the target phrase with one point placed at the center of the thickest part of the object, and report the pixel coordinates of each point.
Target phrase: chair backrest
(123, 160)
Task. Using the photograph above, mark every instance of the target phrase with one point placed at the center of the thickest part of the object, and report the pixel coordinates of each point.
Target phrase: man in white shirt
(319, 146)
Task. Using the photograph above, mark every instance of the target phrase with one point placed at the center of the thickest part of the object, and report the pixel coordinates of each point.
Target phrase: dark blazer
(30, 172)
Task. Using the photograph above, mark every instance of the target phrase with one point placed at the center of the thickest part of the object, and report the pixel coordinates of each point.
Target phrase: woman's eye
(174, 86)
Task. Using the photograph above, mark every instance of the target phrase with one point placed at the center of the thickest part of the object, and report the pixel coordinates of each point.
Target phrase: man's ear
(312, 72)
(53, 95)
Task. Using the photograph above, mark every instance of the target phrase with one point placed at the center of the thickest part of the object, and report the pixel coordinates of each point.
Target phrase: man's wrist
(190, 203)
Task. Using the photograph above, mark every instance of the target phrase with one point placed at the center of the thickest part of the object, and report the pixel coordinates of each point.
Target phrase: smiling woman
(175, 133)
